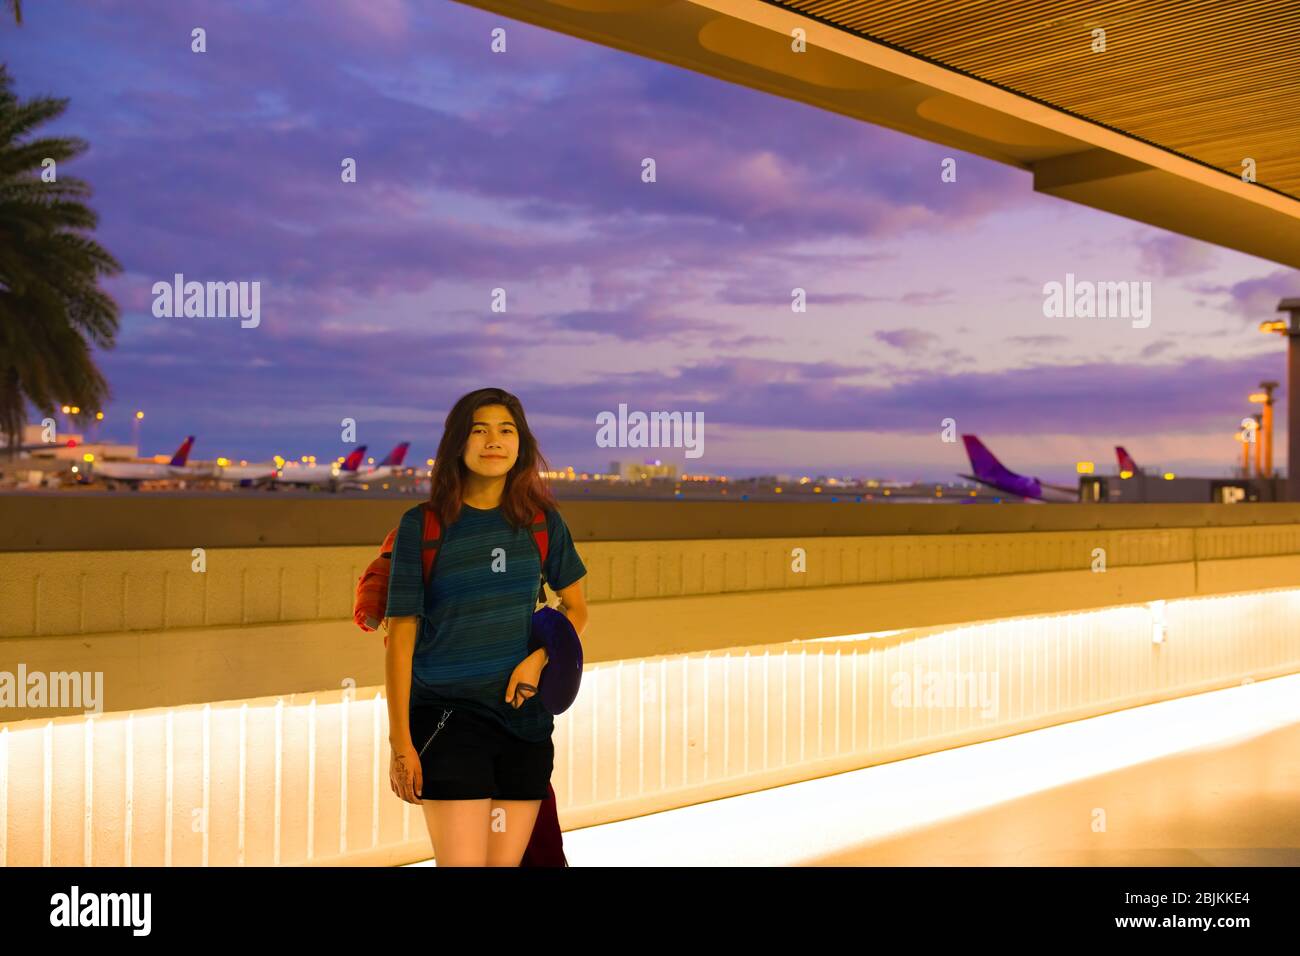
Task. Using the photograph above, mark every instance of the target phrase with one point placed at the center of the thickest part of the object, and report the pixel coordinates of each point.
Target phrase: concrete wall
(244, 719)
(276, 618)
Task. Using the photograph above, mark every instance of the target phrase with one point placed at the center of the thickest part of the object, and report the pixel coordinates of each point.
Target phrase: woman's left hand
(527, 672)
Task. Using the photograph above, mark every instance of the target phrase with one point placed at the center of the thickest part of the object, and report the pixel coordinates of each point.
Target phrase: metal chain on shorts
(445, 715)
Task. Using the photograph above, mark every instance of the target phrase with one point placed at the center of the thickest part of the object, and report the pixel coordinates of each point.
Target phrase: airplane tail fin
(1126, 463)
(396, 456)
(353, 461)
(183, 453)
(983, 462)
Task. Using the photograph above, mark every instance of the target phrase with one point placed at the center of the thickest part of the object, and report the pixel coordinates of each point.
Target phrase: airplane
(1127, 466)
(330, 476)
(390, 467)
(133, 472)
(247, 475)
(991, 472)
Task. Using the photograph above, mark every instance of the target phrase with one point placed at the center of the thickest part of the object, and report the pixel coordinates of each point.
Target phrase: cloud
(1039, 341)
(930, 297)
(1156, 348)
(1172, 255)
(909, 340)
(1256, 299)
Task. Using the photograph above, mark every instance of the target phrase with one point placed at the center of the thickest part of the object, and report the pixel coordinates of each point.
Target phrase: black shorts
(471, 758)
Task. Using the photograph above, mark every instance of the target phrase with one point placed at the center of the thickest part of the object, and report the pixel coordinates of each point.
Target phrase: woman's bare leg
(509, 828)
(458, 830)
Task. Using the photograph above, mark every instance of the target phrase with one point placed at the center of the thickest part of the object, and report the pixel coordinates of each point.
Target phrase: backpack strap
(430, 542)
(541, 539)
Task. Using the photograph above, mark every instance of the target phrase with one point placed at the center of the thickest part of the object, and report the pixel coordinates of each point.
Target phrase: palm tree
(51, 309)
(17, 7)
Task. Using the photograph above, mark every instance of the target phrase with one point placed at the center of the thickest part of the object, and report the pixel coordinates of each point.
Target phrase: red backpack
(545, 846)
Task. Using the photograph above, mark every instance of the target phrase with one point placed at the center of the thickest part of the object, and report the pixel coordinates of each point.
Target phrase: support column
(1292, 307)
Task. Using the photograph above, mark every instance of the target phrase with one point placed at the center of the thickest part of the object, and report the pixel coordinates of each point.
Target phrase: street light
(1259, 445)
(1291, 329)
(1265, 398)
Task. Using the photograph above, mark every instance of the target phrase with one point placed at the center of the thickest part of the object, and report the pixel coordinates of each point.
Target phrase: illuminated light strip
(311, 779)
(88, 810)
(344, 706)
(279, 777)
(47, 742)
(1212, 639)
(243, 782)
(128, 817)
(640, 725)
(618, 730)
(207, 778)
(375, 706)
(167, 803)
(4, 795)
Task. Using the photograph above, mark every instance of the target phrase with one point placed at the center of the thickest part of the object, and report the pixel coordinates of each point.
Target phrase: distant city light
(1169, 476)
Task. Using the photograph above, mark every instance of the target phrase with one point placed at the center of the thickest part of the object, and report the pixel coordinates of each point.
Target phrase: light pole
(1269, 388)
(1259, 424)
(1290, 327)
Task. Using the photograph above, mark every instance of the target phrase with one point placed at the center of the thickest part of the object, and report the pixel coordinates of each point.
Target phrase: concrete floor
(1208, 780)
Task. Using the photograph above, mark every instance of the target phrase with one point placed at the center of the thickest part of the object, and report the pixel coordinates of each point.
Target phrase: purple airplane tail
(985, 463)
(353, 461)
(183, 453)
(989, 471)
(396, 456)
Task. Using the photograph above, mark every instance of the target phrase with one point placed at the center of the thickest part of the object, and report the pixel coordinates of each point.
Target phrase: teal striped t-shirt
(476, 619)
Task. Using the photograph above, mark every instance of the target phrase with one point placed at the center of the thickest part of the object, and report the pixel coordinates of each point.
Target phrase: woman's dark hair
(525, 492)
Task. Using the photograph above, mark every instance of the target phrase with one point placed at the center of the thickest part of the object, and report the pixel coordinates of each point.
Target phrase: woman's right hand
(404, 773)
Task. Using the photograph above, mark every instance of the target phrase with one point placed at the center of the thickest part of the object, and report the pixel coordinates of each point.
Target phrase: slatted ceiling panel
(1215, 81)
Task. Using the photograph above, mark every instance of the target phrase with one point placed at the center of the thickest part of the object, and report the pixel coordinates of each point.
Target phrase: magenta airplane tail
(183, 453)
(984, 462)
(353, 461)
(396, 456)
(1126, 462)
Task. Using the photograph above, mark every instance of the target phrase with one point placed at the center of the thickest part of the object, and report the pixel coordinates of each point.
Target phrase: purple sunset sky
(522, 170)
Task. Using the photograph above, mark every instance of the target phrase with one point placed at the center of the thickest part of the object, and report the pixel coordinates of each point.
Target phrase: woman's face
(493, 445)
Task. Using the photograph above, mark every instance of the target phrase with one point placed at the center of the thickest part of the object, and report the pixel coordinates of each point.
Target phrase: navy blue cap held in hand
(562, 674)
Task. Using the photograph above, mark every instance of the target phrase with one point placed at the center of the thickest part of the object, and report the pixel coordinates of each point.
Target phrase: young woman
(469, 738)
